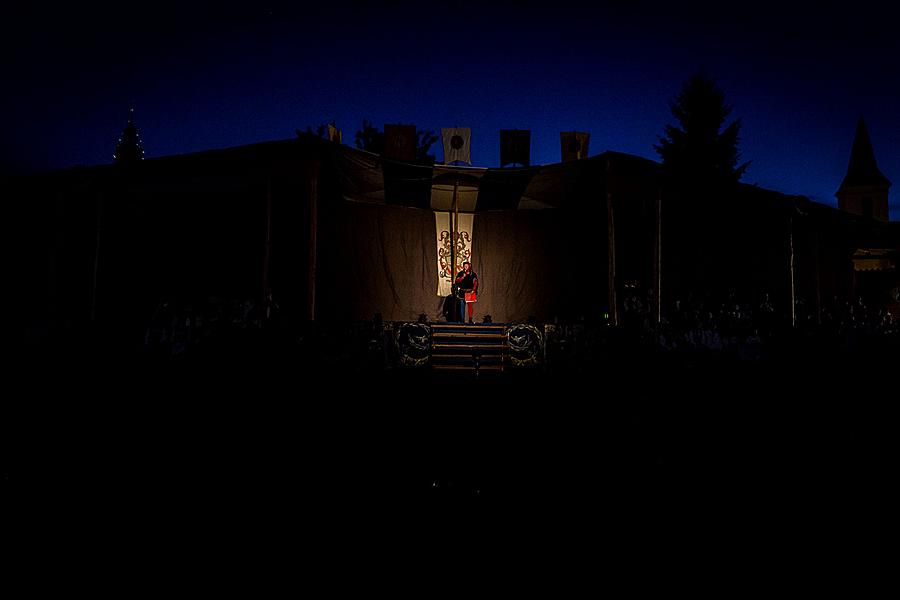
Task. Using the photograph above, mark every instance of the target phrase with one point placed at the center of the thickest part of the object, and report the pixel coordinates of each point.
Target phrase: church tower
(864, 190)
(128, 148)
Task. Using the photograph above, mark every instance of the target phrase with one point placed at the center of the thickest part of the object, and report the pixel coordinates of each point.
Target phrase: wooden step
(485, 358)
(467, 335)
(469, 355)
(479, 328)
(455, 346)
(486, 325)
(467, 367)
(476, 347)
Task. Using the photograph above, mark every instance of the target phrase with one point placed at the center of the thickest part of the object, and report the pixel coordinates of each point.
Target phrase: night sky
(216, 75)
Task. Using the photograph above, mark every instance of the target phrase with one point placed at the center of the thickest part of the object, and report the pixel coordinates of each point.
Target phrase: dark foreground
(232, 460)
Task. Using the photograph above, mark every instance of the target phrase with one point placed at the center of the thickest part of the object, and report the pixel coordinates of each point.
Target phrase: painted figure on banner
(463, 252)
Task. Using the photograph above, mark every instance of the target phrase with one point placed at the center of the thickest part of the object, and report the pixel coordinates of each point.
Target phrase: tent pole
(792, 267)
(267, 253)
(658, 257)
(818, 282)
(455, 217)
(452, 243)
(611, 233)
(454, 227)
(96, 267)
(313, 174)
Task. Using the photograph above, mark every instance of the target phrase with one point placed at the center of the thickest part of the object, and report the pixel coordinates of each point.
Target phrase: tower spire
(864, 190)
(128, 148)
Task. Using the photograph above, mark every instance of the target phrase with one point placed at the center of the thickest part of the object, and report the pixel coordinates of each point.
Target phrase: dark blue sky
(214, 75)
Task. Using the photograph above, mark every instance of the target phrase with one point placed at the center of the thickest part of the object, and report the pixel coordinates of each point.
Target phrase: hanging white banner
(457, 145)
(462, 234)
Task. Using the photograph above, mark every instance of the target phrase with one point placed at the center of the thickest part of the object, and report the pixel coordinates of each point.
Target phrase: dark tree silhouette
(425, 140)
(321, 130)
(698, 152)
(371, 138)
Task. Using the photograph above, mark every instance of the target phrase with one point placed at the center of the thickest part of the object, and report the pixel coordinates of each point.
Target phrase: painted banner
(462, 234)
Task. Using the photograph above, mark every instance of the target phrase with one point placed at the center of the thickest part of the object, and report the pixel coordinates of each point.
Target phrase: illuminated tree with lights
(128, 148)
(699, 152)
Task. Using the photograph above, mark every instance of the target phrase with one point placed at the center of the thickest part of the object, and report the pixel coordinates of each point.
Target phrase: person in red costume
(466, 289)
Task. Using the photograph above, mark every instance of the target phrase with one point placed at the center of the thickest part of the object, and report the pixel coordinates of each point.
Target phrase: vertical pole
(818, 281)
(657, 256)
(456, 222)
(454, 227)
(793, 284)
(313, 172)
(611, 232)
(96, 268)
(452, 245)
(267, 254)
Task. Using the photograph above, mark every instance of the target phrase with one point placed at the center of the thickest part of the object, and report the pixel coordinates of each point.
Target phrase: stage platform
(459, 346)
(473, 347)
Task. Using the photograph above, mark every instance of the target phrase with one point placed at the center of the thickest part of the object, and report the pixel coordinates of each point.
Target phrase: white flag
(457, 145)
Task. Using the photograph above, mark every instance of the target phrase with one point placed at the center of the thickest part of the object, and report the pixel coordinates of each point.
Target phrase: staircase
(456, 346)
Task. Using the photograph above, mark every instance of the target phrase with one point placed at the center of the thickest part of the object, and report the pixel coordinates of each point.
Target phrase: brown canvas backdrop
(382, 259)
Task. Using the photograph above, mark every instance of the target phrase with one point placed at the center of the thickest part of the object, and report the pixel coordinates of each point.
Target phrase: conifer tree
(129, 148)
(701, 151)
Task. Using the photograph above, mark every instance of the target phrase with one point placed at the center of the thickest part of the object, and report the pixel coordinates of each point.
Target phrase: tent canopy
(368, 177)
